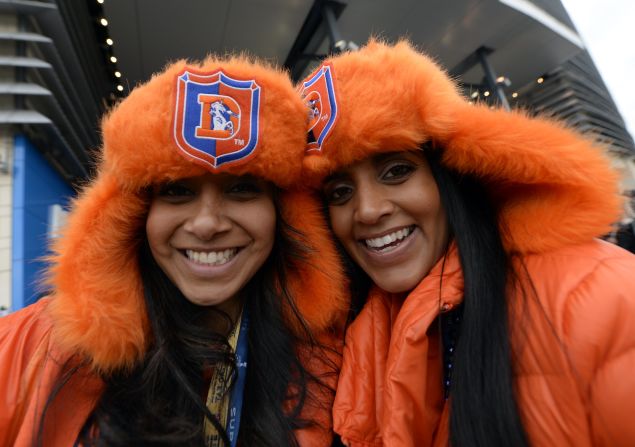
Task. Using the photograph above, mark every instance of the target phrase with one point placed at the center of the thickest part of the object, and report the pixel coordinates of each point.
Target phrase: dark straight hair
(483, 407)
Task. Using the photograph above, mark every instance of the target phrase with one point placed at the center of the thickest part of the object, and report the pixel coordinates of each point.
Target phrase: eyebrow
(382, 157)
(334, 177)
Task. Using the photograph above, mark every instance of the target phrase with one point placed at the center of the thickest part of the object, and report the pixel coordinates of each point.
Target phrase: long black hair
(483, 407)
(161, 401)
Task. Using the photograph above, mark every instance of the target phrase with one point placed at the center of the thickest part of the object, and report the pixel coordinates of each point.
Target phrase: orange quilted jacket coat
(31, 365)
(574, 347)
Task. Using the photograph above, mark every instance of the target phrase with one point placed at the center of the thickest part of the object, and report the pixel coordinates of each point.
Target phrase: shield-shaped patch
(319, 94)
(216, 117)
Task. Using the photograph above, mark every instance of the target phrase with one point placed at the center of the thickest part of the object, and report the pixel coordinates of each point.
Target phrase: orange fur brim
(99, 310)
(321, 271)
(552, 186)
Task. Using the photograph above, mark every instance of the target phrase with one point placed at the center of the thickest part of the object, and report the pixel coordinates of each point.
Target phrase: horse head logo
(313, 103)
(221, 117)
(318, 91)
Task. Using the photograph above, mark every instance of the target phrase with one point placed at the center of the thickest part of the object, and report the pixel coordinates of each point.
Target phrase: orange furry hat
(552, 186)
(159, 133)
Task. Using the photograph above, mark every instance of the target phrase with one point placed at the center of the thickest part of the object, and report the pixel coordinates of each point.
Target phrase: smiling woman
(494, 318)
(195, 299)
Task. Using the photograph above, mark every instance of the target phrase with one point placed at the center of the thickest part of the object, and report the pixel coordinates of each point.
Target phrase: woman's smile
(387, 213)
(389, 240)
(214, 258)
(210, 263)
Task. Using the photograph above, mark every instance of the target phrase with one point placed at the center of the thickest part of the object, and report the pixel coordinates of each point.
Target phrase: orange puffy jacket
(575, 355)
(32, 365)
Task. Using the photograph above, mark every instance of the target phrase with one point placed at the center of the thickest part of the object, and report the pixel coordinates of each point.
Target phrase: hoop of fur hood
(98, 307)
(552, 187)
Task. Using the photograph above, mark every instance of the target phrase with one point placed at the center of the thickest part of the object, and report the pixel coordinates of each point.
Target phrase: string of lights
(107, 46)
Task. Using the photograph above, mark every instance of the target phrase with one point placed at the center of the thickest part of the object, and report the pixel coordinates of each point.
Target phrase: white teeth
(211, 257)
(380, 242)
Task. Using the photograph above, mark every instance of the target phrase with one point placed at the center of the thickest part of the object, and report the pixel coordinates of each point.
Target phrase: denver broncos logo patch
(216, 117)
(319, 95)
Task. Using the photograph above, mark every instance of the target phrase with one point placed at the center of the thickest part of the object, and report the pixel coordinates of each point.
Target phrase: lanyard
(238, 388)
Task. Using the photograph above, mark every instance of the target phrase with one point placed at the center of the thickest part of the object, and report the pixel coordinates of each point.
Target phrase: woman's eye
(397, 172)
(338, 195)
(244, 188)
(174, 190)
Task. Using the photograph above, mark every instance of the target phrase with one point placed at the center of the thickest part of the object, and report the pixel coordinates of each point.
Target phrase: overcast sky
(608, 30)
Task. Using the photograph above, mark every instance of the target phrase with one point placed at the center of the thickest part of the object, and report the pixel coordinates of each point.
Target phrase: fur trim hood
(552, 187)
(158, 134)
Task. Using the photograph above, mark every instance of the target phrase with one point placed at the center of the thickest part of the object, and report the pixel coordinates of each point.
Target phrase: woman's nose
(209, 217)
(372, 204)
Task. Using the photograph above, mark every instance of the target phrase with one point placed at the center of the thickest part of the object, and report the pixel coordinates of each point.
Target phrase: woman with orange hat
(190, 303)
(489, 315)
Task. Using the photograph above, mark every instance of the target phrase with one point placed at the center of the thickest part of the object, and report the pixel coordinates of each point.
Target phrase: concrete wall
(6, 199)
(8, 23)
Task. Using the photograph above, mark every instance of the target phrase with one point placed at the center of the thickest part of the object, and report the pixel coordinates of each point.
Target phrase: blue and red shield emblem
(216, 117)
(319, 94)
